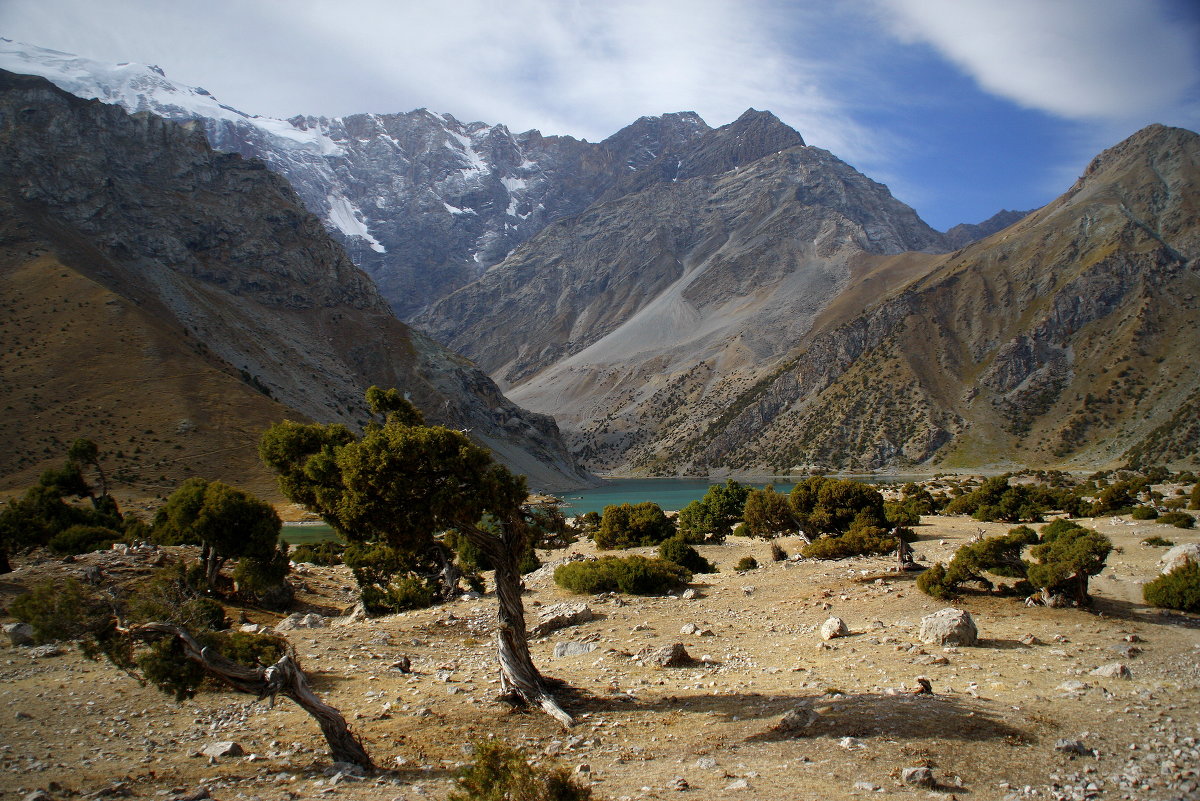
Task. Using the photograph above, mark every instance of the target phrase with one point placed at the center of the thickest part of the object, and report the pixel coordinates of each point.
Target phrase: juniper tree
(399, 484)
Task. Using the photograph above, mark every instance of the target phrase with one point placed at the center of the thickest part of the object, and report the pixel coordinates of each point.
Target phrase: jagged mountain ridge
(422, 202)
(216, 256)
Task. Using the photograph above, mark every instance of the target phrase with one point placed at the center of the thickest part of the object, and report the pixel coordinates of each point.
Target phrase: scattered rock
(568, 648)
(866, 787)
(1113, 670)
(403, 664)
(300, 621)
(706, 763)
(1178, 556)
(1073, 747)
(674, 655)
(583, 768)
(850, 743)
(919, 776)
(688, 629)
(1073, 686)
(23, 715)
(689, 594)
(19, 633)
(252, 628)
(38, 795)
(225, 748)
(738, 784)
(42, 651)
(679, 783)
(797, 719)
(949, 626)
(560, 616)
(1029, 639)
(834, 627)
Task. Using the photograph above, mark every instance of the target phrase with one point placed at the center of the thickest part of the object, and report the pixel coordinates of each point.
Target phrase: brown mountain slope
(219, 271)
(1068, 339)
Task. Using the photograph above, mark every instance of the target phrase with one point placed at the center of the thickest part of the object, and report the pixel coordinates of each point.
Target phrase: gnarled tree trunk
(518, 674)
(282, 678)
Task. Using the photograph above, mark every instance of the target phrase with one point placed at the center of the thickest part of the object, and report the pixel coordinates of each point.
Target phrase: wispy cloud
(1079, 59)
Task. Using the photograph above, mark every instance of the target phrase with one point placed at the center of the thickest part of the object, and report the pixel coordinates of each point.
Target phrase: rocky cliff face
(646, 315)
(217, 252)
(1067, 339)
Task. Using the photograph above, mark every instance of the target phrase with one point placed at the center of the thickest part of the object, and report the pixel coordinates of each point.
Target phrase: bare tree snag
(282, 678)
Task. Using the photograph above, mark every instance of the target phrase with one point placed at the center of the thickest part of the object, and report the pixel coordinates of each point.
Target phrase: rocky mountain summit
(423, 202)
(157, 288)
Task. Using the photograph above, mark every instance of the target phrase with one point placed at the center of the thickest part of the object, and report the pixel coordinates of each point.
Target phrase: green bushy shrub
(1179, 589)
(858, 541)
(1157, 542)
(778, 554)
(1144, 513)
(499, 772)
(746, 563)
(933, 582)
(636, 575)
(1177, 519)
(1194, 501)
(325, 554)
(83, 539)
(61, 610)
(204, 613)
(632, 525)
(678, 551)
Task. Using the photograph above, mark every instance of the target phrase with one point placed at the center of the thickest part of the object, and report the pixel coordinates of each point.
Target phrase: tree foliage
(861, 540)
(226, 522)
(677, 550)
(711, 518)
(1000, 556)
(824, 505)
(768, 514)
(1066, 561)
(632, 525)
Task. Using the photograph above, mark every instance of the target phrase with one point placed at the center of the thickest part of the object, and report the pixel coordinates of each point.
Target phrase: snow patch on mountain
(347, 219)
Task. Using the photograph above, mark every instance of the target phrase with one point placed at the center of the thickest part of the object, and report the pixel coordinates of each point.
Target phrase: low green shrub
(636, 575)
(325, 554)
(499, 772)
(1179, 589)
(1177, 519)
(777, 553)
(1144, 513)
(933, 582)
(61, 610)
(83, 539)
(204, 613)
(858, 541)
(1158, 542)
(746, 563)
(678, 551)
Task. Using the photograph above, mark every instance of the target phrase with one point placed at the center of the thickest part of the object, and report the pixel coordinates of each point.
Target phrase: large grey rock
(302, 621)
(920, 776)
(560, 616)
(224, 748)
(1114, 670)
(1178, 556)
(834, 627)
(674, 655)
(949, 626)
(19, 633)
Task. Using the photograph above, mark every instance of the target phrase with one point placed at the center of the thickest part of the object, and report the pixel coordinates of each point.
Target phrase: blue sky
(962, 107)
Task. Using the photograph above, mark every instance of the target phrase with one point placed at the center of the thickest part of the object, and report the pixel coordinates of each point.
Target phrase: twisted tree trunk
(518, 675)
(282, 678)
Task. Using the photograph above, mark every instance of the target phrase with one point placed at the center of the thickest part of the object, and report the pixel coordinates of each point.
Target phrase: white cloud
(1079, 59)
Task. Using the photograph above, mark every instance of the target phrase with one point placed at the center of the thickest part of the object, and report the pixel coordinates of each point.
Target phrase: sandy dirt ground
(990, 730)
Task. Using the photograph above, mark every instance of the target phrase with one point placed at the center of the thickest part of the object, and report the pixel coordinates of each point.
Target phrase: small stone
(583, 768)
(23, 715)
(1029, 639)
(568, 648)
(920, 776)
(706, 763)
(42, 651)
(749, 590)
(680, 783)
(1114, 670)
(38, 795)
(834, 627)
(225, 748)
(689, 594)
(797, 719)
(850, 743)
(688, 629)
(738, 784)
(866, 787)
(302, 621)
(1073, 747)
(1073, 686)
